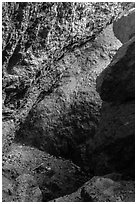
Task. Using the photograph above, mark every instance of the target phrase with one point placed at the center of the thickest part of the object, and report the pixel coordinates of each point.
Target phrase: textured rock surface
(114, 143)
(109, 188)
(113, 146)
(23, 189)
(124, 28)
(31, 175)
(7, 189)
(74, 197)
(27, 189)
(63, 122)
(118, 79)
(31, 50)
(100, 189)
(7, 134)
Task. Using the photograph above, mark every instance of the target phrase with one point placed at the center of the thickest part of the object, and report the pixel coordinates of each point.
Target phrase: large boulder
(31, 175)
(8, 133)
(108, 188)
(28, 189)
(7, 189)
(117, 82)
(24, 188)
(124, 28)
(63, 122)
(100, 189)
(113, 146)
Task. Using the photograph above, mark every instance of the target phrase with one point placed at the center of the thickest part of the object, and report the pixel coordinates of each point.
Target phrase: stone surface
(8, 133)
(100, 189)
(108, 188)
(113, 146)
(24, 188)
(66, 122)
(114, 142)
(74, 197)
(30, 172)
(124, 28)
(27, 189)
(117, 82)
(8, 191)
(63, 122)
(60, 124)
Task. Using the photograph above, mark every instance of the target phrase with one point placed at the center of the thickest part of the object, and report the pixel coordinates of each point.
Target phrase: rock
(63, 122)
(8, 128)
(124, 28)
(7, 189)
(108, 188)
(115, 139)
(22, 189)
(113, 176)
(54, 177)
(117, 82)
(27, 189)
(74, 197)
(100, 189)
(113, 147)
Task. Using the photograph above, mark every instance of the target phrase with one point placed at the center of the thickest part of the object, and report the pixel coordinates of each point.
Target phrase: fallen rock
(74, 197)
(124, 28)
(115, 139)
(63, 122)
(8, 133)
(117, 82)
(108, 188)
(8, 193)
(113, 147)
(100, 189)
(28, 189)
(24, 188)
(54, 177)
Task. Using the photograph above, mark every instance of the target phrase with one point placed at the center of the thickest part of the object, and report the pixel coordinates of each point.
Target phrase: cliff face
(69, 118)
(112, 149)
(114, 142)
(63, 122)
(38, 55)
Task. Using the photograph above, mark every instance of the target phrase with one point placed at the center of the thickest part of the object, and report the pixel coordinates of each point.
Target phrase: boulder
(113, 146)
(100, 189)
(8, 127)
(73, 197)
(114, 142)
(28, 189)
(117, 82)
(108, 188)
(24, 188)
(63, 122)
(7, 189)
(124, 28)
(30, 172)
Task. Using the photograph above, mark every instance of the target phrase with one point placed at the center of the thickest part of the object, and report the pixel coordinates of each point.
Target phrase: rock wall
(87, 118)
(108, 188)
(63, 122)
(124, 28)
(113, 147)
(30, 175)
